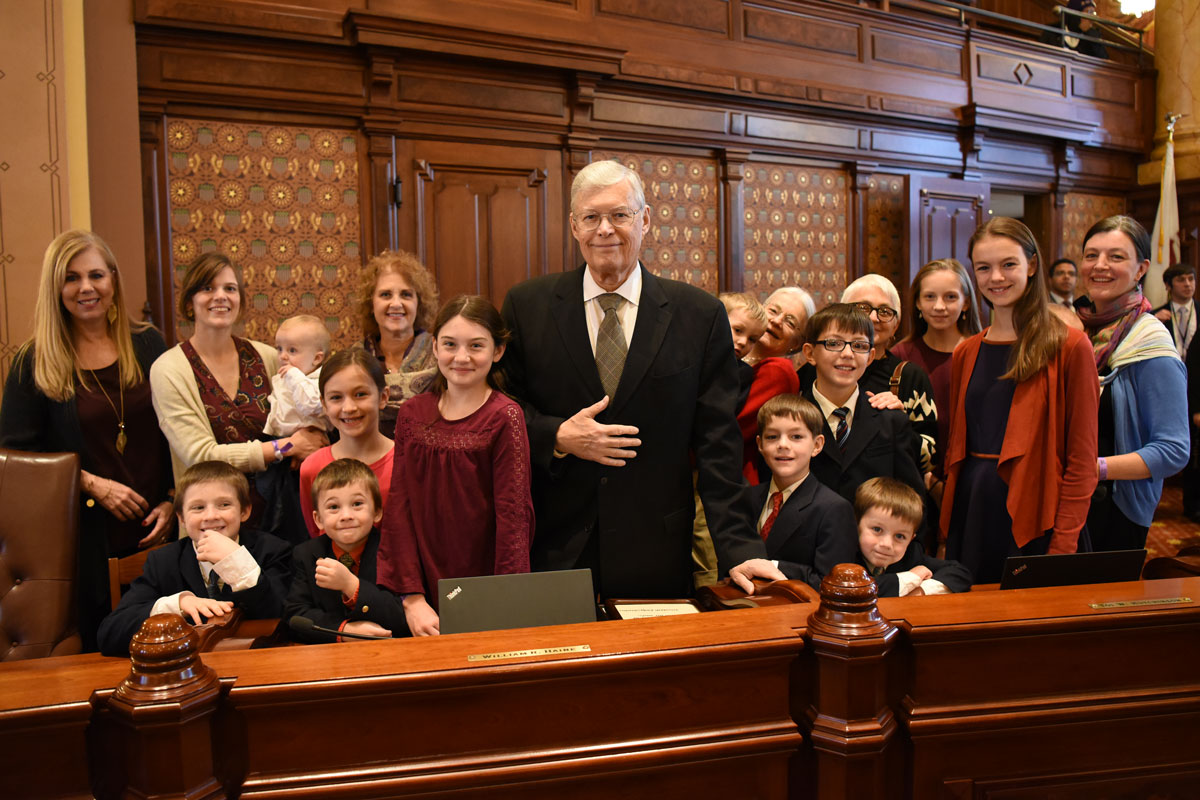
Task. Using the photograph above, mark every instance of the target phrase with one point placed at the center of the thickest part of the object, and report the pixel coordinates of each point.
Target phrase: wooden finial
(848, 603)
(166, 662)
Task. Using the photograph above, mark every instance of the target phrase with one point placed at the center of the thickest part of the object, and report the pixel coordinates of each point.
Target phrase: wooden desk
(987, 695)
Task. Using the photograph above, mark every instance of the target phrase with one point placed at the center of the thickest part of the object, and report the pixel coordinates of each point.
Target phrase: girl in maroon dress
(460, 501)
(943, 313)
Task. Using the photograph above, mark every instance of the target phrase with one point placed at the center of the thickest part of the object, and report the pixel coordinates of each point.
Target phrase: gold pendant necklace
(121, 440)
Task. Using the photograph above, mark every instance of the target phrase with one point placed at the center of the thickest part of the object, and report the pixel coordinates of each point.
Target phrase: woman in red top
(788, 310)
(1023, 488)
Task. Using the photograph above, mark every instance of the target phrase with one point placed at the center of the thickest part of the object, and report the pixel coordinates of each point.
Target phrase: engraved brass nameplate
(541, 651)
(1164, 601)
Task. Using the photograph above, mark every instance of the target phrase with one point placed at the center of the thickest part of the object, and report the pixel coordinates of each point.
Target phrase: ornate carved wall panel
(885, 228)
(796, 230)
(683, 240)
(1080, 213)
(282, 203)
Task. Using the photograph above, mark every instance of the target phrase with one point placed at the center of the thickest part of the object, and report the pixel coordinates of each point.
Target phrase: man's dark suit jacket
(679, 387)
(1170, 323)
(880, 445)
(174, 568)
(814, 532)
(954, 575)
(325, 606)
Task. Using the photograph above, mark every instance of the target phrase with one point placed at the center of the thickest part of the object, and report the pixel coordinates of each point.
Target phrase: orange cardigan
(1048, 457)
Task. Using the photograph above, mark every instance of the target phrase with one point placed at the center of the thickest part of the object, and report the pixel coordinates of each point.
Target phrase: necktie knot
(609, 302)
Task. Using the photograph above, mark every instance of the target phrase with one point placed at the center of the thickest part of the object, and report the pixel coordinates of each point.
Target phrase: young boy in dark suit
(807, 527)
(888, 515)
(333, 576)
(217, 566)
(861, 442)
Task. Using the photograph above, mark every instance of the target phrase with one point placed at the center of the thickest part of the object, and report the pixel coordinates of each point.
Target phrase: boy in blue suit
(888, 515)
(217, 566)
(807, 527)
(333, 576)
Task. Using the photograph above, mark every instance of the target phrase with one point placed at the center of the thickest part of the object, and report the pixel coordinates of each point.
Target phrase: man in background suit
(1179, 312)
(625, 378)
(1179, 315)
(1063, 275)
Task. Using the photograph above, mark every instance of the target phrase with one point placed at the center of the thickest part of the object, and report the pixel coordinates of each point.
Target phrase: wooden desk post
(850, 721)
(162, 713)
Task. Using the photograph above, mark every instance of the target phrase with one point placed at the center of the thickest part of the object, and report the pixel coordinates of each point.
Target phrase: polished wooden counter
(992, 694)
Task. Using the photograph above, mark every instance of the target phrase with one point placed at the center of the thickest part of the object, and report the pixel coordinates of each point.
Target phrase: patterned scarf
(1107, 328)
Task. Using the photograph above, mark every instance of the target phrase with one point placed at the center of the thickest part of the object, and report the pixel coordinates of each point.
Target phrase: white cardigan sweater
(184, 422)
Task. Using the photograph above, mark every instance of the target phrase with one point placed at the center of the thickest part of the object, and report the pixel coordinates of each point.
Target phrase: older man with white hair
(626, 378)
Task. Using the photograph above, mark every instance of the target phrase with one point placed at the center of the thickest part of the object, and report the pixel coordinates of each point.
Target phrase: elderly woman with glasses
(788, 310)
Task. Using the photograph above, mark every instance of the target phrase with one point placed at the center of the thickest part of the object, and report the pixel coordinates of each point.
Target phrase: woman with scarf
(1143, 435)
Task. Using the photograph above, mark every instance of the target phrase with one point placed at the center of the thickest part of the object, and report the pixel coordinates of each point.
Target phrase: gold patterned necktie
(610, 344)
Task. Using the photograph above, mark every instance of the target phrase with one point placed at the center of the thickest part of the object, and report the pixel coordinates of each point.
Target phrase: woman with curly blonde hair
(398, 300)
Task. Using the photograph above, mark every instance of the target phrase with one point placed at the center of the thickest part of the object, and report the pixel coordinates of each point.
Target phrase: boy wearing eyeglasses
(861, 442)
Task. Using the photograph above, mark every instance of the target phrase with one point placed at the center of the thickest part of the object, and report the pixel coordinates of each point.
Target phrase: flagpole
(1164, 241)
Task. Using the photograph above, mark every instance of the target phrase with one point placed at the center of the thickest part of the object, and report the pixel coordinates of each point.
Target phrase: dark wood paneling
(663, 115)
(1020, 70)
(1097, 87)
(917, 54)
(704, 15)
(1010, 156)
(475, 95)
(1074, 692)
(802, 30)
(942, 215)
(246, 74)
(931, 147)
(676, 74)
(486, 218)
(806, 132)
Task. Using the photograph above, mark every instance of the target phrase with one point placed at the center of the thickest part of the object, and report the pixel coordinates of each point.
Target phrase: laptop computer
(528, 600)
(1072, 569)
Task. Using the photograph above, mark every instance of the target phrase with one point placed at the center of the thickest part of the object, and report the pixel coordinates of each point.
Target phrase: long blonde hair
(1040, 334)
(55, 370)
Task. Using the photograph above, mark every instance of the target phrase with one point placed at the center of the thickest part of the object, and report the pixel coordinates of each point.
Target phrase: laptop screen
(528, 600)
(1072, 569)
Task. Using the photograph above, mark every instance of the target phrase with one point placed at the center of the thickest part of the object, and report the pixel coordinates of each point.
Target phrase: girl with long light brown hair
(1021, 460)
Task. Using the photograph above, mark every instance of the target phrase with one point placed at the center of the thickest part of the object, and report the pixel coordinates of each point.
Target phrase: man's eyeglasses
(883, 313)
(838, 345)
(618, 217)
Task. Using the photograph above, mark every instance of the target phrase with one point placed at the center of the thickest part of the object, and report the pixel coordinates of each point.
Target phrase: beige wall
(34, 194)
(68, 90)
